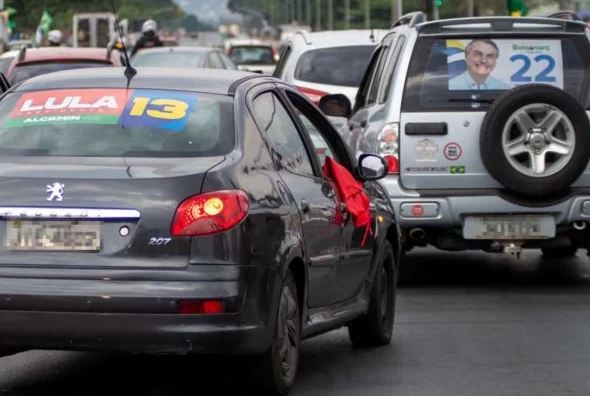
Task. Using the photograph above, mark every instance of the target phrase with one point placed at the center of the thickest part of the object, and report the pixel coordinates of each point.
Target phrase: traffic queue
(181, 200)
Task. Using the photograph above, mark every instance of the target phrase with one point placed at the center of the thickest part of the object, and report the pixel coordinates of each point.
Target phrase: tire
(376, 326)
(559, 252)
(560, 170)
(277, 368)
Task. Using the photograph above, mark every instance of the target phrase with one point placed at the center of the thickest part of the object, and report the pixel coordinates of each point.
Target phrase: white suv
(329, 62)
(484, 125)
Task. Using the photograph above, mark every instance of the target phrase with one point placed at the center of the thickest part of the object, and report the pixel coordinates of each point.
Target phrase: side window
(378, 76)
(287, 145)
(361, 97)
(397, 51)
(227, 63)
(214, 61)
(283, 61)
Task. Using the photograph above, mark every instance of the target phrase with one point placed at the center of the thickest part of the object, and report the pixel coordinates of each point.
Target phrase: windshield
(116, 122)
(468, 73)
(334, 66)
(169, 59)
(26, 71)
(252, 55)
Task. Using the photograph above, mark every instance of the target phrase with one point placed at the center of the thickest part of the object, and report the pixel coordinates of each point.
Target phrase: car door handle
(305, 206)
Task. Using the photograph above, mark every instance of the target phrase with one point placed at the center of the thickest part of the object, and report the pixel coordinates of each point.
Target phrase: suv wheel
(534, 140)
(376, 326)
(559, 252)
(278, 366)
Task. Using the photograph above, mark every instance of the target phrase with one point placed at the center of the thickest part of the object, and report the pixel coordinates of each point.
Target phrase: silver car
(483, 122)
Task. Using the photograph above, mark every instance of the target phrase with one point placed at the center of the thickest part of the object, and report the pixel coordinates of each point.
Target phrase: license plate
(509, 227)
(53, 235)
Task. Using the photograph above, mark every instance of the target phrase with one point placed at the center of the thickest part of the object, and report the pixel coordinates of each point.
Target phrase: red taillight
(199, 307)
(313, 94)
(392, 164)
(210, 213)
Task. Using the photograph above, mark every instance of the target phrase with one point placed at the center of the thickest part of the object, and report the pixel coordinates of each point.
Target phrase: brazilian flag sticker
(458, 170)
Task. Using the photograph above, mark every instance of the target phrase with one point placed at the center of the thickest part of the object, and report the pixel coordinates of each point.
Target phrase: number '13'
(170, 109)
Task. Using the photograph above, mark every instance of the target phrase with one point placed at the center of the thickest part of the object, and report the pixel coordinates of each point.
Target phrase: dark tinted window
(440, 76)
(361, 96)
(334, 66)
(396, 53)
(287, 146)
(379, 70)
(252, 55)
(26, 71)
(168, 59)
(116, 122)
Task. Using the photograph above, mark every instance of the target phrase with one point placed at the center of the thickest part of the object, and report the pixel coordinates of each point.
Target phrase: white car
(329, 62)
(252, 55)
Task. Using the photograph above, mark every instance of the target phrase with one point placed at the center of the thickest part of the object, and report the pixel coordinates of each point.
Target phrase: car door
(356, 246)
(312, 194)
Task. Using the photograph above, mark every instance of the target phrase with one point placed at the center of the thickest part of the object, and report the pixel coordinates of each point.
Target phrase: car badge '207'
(56, 191)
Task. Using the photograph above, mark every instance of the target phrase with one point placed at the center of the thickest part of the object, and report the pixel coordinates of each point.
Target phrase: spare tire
(535, 140)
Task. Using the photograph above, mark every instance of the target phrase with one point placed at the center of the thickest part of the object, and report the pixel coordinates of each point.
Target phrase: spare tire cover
(535, 140)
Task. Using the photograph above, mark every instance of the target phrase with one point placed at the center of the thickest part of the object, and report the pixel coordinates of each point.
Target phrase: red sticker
(453, 151)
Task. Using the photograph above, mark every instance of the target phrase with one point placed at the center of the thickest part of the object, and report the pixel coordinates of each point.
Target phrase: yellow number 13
(171, 109)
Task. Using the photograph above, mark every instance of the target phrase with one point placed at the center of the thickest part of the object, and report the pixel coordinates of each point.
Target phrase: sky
(212, 11)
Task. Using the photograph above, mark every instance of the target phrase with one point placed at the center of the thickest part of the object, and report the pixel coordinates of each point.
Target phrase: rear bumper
(139, 315)
(449, 211)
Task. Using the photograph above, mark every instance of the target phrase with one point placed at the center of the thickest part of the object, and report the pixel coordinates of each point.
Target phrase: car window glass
(366, 81)
(227, 62)
(26, 71)
(287, 146)
(214, 61)
(168, 59)
(252, 55)
(377, 77)
(282, 61)
(392, 69)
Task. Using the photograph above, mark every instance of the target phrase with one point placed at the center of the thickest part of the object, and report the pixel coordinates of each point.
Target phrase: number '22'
(543, 76)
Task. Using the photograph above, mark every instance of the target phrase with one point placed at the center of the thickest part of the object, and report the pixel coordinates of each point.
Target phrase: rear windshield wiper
(24, 151)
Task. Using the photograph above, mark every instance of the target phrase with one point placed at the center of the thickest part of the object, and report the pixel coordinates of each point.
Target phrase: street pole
(308, 13)
(330, 14)
(434, 10)
(299, 11)
(272, 13)
(367, 14)
(318, 15)
(396, 10)
(400, 8)
(470, 8)
(347, 14)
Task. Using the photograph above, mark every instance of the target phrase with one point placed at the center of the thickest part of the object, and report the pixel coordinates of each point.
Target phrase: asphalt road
(467, 324)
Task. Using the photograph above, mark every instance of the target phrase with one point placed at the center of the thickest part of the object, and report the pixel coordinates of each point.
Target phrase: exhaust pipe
(579, 225)
(418, 234)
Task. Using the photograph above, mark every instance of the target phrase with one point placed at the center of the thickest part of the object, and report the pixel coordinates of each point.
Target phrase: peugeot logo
(56, 191)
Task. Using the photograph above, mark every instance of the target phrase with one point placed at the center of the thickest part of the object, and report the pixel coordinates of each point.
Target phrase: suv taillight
(210, 213)
(312, 94)
(388, 146)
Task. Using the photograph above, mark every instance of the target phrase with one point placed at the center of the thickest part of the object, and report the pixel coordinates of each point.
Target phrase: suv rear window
(342, 66)
(116, 123)
(252, 55)
(469, 73)
(28, 70)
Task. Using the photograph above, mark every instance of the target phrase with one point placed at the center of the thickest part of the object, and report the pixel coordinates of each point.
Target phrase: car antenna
(130, 72)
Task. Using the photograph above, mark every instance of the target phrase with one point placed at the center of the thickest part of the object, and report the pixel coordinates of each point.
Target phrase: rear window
(469, 73)
(168, 59)
(26, 71)
(334, 66)
(116, 123)
(252, 55)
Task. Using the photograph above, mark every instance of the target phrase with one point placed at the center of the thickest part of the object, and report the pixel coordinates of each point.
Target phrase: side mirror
(336, 105)
(372, 167)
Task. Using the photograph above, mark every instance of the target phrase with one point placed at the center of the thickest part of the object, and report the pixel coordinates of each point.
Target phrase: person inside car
(149, 38)
(480, 57)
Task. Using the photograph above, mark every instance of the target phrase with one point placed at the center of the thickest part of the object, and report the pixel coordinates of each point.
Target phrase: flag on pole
(43, 28)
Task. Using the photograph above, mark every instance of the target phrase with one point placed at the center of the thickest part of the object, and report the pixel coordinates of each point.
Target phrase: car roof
(342, 38)
(176, 49)
(63, 53)
(214, 81)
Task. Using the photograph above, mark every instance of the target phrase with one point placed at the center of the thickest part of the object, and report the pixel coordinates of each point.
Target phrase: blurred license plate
(53, 235)
(509, 227)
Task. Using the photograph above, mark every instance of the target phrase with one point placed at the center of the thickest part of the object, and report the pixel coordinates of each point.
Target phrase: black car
(184, 213)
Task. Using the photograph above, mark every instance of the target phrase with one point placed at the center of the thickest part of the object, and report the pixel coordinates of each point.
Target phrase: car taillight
(388, 146)
(210, 213)
(313, 94)
(199, 307)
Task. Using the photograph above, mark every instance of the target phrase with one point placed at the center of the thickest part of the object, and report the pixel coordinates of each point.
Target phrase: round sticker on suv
(453, 151)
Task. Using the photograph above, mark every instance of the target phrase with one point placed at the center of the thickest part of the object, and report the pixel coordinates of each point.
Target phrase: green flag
(45, 23)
